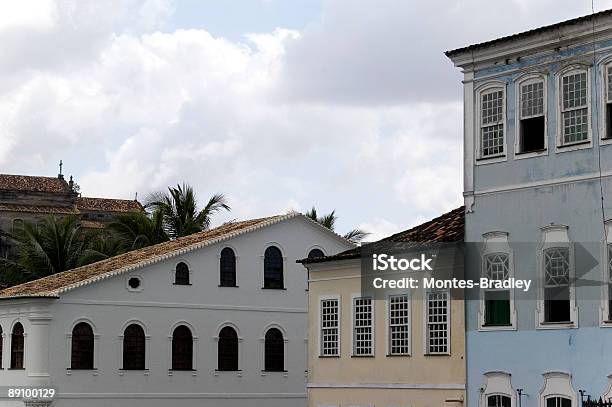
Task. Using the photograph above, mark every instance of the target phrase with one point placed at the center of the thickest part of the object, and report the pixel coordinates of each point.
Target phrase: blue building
(538, 166)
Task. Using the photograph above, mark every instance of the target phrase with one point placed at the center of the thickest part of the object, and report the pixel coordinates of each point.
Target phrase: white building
(217, 318)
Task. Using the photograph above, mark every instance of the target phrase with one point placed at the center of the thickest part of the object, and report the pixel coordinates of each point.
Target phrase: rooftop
(529, 33)
(445, 228)
(108, 205)
(33, 183)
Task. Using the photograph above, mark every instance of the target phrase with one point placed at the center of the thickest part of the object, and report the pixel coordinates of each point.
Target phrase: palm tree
(136, 230)
(329, 221)
(46, 247)
(179, 210)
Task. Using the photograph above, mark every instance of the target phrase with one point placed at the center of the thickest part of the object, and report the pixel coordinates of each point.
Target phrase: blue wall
(527, 353)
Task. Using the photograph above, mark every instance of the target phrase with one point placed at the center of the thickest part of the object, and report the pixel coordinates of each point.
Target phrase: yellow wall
(360, 380)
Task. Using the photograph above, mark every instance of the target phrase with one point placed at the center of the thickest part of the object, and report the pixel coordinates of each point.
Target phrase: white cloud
(380, 228)
(39, 15)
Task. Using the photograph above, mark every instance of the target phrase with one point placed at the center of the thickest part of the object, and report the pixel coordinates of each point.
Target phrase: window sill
(273, 288)
(398, 355)
(93, 372)
(144, 372)
(362, 356)
(238, 373)
(535, 152)
(490, 157)
(557, 325)
(228, 286)
(329, 356)
(437, 354)
(181, 284)
(579, 145)
(16, 368)
(274, 373)
(193, 372)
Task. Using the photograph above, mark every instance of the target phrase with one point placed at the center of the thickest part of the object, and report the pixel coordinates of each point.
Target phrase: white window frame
(555, 236)
(577, 145)
(262, 350)
(426, 347)
(497, 242)
(557, 384)
(490, 87)
(497, 383)
(96, 353)
(603, 99)
(388, 330)
(194, 352)
(354, 299)
(606, 278)
(234, 326)
(237, 265)
(147, 368)
(320, 331)
(526, 80)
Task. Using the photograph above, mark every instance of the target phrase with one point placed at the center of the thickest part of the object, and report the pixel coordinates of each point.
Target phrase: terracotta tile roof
(529, 33)
(64, 210)
(108, 205)
(33, 184)
(54, 285)
(447, 228)
(92, 224)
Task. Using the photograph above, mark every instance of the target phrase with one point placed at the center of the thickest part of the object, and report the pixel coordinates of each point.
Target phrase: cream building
(405, 351)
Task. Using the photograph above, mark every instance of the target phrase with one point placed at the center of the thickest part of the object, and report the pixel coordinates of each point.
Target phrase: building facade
(537, 186)
(217, 318)
(404, 350)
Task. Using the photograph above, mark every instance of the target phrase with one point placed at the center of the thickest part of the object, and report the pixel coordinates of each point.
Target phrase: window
(330, 329)
(181, 275)
(227, 350)
(437, 323)
(182, 348)
(558, 402)
(497, 302)
(608, 102)
(362, 327)
(134, 348)
(574, 107)
(399, 325)
(556, 285)
(492, 123)
(273, 268)
(274, 351)
(17, 346)
(134, 284)
(498, 400)
(227, 268)
(82, 349)
(532, 132)
(1, 340)
(315, 254)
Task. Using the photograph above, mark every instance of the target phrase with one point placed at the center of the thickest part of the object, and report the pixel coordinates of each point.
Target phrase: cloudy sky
(279, 104)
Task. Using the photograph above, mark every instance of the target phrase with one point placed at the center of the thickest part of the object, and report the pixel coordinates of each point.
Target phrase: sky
(347, 105)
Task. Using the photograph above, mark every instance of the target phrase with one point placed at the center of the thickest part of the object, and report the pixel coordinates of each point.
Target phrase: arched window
(134, 348)
(498, 400)
(228, 350)
(181, 277)
(182, 348)
(82, 355)
(315, 254)
(227, 268)
(17, 344)
(273, 268)
(1, 340)
(274, 351)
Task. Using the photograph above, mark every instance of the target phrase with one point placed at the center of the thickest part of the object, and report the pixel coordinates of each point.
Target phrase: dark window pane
(17, 343)
(498, 401)
(532, 134)
(497, 308)
(182, 349)
(273, 268)
(227, 268)
(315, 254)
(228, 350)
(134, 348)
(274, 351)
(556, 304)
(1, 347)
(609, 120)
(82, 356)
(182, 274)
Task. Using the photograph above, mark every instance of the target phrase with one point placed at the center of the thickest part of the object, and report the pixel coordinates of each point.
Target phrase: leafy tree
(329, 221)
(44, 248)
(136, 230)
(179, 210)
